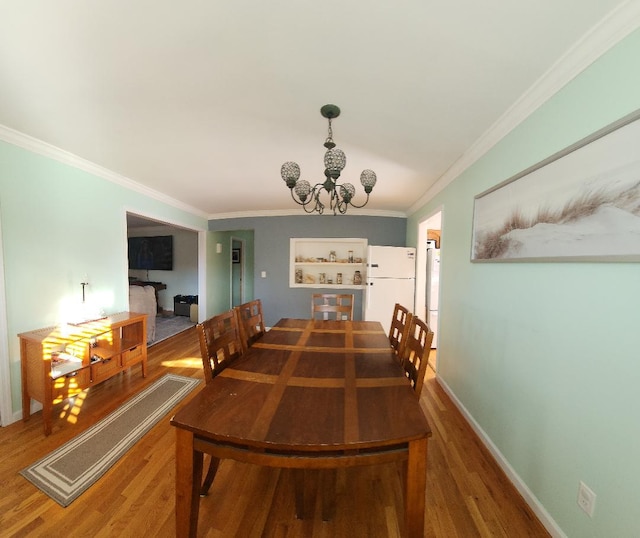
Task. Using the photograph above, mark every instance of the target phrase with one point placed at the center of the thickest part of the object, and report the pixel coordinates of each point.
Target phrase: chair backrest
(415, 353)
(332, 306)
(251, 322)
(400, 323)
(220, 342)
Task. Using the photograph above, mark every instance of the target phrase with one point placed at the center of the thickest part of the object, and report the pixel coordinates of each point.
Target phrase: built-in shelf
(333, 263)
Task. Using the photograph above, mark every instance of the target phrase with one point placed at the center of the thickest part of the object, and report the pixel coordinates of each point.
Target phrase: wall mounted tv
(155, 253)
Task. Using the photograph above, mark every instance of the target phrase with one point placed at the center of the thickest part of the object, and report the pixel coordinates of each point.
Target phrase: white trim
(6, 412)
(535, 505)
(608, 32)
(47, 150)
(203, 311)
(161, 220)
(300, 212)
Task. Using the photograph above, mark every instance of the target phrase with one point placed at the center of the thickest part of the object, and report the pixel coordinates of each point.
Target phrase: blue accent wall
(271, 253)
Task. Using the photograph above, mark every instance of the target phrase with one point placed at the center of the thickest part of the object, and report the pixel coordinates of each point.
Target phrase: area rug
(166, 327)
(72, 468)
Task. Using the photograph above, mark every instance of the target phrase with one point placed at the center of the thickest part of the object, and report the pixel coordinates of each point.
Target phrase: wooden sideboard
(60, 362)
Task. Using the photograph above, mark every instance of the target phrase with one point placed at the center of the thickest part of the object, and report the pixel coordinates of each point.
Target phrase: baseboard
(35, 407)
(535, 505)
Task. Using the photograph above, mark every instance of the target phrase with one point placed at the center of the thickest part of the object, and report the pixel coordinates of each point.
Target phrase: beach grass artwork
(580, 204)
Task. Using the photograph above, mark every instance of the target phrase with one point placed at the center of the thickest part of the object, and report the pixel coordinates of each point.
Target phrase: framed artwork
(235, 255)
(580, 204)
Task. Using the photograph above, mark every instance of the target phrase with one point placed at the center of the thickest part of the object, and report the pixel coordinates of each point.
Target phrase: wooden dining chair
(415, 353)
(251, 322)
(337, 306)
(220, 344)
(400, 323)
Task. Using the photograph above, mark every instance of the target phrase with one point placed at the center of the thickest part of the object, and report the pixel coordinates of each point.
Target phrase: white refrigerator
(433, 288)
(391, 278)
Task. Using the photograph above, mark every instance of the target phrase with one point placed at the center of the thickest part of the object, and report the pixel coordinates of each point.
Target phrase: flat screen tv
(154, 253)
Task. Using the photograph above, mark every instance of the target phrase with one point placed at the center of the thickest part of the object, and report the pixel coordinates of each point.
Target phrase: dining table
(309, 394)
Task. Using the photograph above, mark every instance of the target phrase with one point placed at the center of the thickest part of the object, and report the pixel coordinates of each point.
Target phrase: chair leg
(211, 474)
(303, 484)
(328, 483)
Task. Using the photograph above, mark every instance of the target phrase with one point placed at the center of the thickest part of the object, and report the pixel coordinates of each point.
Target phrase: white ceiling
(204, 100)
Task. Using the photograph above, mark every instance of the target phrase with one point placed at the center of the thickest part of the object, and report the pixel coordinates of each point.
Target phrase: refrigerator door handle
(373, 265)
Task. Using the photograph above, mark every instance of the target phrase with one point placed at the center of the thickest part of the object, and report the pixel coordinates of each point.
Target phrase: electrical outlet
(586, 499)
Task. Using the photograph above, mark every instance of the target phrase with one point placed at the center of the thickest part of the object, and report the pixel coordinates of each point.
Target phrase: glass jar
(357, 278)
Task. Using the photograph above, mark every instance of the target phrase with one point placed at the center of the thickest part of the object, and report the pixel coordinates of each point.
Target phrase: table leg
(188, 478)
(415, 486)
(26, 399)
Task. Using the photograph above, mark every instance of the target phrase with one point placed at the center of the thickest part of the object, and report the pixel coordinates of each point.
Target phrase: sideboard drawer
(102, 370)
(69, 385)
(132, 356)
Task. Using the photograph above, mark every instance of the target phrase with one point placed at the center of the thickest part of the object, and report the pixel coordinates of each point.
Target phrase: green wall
(544, 356)
(61, 224)
(219, 269)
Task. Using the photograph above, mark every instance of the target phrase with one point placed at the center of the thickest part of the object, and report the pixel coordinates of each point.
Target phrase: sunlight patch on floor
(186, 362)
(72, 408)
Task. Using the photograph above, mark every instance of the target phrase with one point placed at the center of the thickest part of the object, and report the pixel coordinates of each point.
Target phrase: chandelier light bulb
(368, 179)
(347, 191)
(335, 160)
(302, 188)
(290, 172)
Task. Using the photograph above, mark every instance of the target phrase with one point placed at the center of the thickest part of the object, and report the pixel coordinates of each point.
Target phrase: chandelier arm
(315, 195)
(359, 206)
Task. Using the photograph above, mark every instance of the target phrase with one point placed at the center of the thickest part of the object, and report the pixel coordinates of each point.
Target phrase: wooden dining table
(307, 395)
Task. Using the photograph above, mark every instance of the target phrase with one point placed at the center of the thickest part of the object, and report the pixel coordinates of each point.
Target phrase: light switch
(219, 248)
(263, 274)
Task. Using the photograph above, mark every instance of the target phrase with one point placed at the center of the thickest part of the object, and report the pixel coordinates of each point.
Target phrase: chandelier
(340, 195)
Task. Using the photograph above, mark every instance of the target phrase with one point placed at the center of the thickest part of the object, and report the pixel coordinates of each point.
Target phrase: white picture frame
(580, 204)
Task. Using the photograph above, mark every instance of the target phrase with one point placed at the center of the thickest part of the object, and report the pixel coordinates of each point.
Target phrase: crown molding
(300, 213)
(47, 150)
(617, 25)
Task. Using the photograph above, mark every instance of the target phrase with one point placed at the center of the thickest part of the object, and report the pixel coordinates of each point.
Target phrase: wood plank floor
(467, 494)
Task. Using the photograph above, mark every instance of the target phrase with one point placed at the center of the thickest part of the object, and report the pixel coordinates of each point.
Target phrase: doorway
(237, 271)
(188, 273)
(427, 287)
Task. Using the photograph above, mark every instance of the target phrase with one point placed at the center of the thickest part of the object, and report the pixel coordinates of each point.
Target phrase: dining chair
(400, 323)
(251, 322)
(337, 306)
(220, 344)
(415, 354)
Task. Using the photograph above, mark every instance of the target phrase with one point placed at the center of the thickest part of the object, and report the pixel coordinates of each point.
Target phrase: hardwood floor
(467, 494)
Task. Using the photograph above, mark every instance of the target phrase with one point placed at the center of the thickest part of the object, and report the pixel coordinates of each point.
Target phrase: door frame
(6, 411)
(420, 306)
(232, 240)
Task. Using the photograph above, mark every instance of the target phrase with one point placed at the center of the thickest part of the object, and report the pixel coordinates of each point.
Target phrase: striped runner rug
(71, 469)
